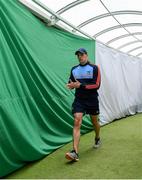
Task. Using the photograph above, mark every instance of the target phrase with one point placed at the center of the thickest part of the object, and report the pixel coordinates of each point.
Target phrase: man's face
(82, 58)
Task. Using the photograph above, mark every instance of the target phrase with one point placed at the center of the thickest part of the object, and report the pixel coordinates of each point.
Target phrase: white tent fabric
(118, 24)
(121, 90)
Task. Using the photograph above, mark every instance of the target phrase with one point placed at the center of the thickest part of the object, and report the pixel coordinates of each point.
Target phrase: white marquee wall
(121, 88)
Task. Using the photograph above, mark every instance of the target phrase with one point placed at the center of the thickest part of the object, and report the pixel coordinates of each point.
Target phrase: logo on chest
(88, 72)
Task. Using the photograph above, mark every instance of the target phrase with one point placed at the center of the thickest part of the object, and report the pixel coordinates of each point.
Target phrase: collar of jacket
(84, 64)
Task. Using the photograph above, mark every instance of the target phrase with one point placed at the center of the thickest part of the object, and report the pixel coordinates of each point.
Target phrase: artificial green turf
(119, 157)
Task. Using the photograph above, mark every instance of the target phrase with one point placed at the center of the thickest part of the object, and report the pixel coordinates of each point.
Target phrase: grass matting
(119, 157)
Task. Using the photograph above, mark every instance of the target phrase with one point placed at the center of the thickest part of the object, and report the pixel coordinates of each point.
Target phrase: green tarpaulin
(35, 106)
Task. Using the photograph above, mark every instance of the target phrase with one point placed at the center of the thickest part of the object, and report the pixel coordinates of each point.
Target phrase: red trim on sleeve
(95, 86)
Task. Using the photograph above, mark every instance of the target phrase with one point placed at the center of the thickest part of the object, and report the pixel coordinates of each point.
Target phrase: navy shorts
(86, 106)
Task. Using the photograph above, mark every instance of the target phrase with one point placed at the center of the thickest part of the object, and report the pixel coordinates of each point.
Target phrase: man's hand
(77, 84)
(70, 85)
(73, 85)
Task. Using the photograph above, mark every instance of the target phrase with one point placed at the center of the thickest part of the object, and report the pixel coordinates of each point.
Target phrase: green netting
(35, 106)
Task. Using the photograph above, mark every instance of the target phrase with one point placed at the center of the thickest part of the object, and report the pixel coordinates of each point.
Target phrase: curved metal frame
(116, 27)
(139, 47)
(56, 16)
(123, 36)
(122, 25)
(71, 5)
(106, 15)
(139, 54)
(67, 7)
(127, 44)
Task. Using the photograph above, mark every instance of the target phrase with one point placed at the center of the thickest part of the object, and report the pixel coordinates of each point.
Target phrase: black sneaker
(97, 143)
(72, 155)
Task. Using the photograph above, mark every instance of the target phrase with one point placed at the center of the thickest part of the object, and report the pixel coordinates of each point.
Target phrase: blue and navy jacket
(89, 77)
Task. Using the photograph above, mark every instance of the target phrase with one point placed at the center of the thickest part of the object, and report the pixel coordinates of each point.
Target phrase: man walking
(85, 78)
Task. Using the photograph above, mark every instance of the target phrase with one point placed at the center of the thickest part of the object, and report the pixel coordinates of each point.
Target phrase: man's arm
(71, 78)
(73, 83)
(96, 80)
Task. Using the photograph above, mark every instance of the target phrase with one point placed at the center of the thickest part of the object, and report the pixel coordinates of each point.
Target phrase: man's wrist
(82, 86)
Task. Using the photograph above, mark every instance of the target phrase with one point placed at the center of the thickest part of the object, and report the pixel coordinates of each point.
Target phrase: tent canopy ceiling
(118, 24)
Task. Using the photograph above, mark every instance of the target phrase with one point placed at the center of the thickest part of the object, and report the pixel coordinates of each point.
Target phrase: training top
(89, 77)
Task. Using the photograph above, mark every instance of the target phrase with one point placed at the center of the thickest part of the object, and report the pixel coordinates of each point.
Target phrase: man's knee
(94, 119)
(77, 120)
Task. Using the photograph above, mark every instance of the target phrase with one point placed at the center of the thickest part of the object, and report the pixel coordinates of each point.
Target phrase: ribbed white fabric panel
(121, 88)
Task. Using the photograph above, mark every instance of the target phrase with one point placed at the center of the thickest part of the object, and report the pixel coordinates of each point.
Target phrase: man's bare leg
(96, 125)
(76, 130)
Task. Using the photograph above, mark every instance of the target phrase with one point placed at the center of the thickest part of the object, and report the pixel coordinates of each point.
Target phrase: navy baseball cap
(81, 50)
